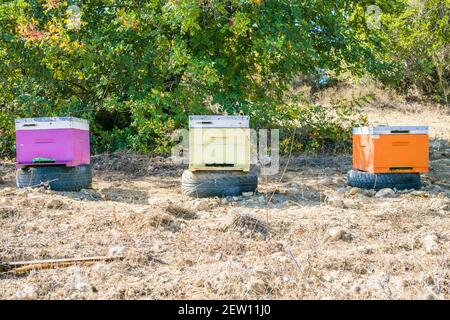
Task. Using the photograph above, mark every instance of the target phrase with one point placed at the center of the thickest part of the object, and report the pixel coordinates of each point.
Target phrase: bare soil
(316, 239)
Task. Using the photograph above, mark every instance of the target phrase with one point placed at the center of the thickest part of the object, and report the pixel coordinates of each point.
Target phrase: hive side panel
(363, 152)
(401, 153)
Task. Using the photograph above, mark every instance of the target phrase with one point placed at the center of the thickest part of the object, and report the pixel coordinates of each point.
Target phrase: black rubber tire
(203, 184)
(377, 181)
(58, 178)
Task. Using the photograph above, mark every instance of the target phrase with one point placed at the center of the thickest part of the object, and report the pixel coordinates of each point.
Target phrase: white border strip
(51, 123)
(219, 122)
(391, 130)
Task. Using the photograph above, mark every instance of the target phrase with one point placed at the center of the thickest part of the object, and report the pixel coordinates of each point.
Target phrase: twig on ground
(282, 175)
(299, 268)
(25, 266)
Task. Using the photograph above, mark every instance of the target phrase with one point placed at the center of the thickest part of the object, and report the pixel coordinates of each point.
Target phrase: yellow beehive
(219, 143)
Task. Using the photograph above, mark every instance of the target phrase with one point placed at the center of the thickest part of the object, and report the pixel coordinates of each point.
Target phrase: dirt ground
(316, 239)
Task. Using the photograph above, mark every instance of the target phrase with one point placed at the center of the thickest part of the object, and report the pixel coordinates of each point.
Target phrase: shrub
(136, 69)
(321, 129)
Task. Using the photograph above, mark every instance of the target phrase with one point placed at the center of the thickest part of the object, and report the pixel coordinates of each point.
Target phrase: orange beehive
(386, 149)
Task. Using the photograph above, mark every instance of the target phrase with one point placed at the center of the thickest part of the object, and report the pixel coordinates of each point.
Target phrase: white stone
(336, 202)
(28, 292)
(338, 233)
(385, 193)
(7, 191)
(430, 243)
(369, 193)
(81, 284)
(116, 251)
(418, 193)
(101, 267)
(201, 205)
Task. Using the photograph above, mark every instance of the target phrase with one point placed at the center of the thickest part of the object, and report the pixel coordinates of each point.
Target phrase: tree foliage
(417, 42)
(138, 68)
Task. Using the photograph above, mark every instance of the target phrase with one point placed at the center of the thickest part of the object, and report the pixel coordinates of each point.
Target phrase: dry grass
(181, 212)
(248, 223)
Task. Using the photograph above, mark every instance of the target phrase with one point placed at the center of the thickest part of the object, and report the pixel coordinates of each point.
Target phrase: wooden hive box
(219, 143)
(57, 141)
(385, 149)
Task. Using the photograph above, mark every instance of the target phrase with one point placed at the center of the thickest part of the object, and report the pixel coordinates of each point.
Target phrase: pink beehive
(44, 141)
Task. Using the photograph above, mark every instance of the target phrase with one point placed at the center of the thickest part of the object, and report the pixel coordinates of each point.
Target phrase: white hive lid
(51, 123)
(219, 122)
(391, 130)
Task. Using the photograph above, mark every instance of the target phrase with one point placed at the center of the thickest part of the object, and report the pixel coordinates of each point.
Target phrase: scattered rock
(353, 191)
(385, 193)
(430, 243)
(141, 210)
(336, 202)
(224, 201)
(344, 189)
(159, 202)
(181, 212)
(365, 249)
(115, 251)
(1, 180)
(436, 145)
(326, 181)
(55, 204)
(158, 246)
(280, 256)
(7, 191)
(433, 188)
(429, 280)
(28, 292)
(81, 284)
(338, 233)
(247, 194)
(200, 205)
(405, 191)
(294, 190)
(356, 289)
(369, 193)
(90, 194)
(101, 267)
(418, 193)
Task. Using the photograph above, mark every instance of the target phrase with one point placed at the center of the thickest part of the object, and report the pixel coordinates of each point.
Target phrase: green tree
(417, 42)
(137, 68)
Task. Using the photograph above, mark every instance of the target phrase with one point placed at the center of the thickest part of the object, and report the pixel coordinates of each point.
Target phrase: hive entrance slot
(399, 131)
(400, 168)
(30, 125)
(43, 160)
(225, 165)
